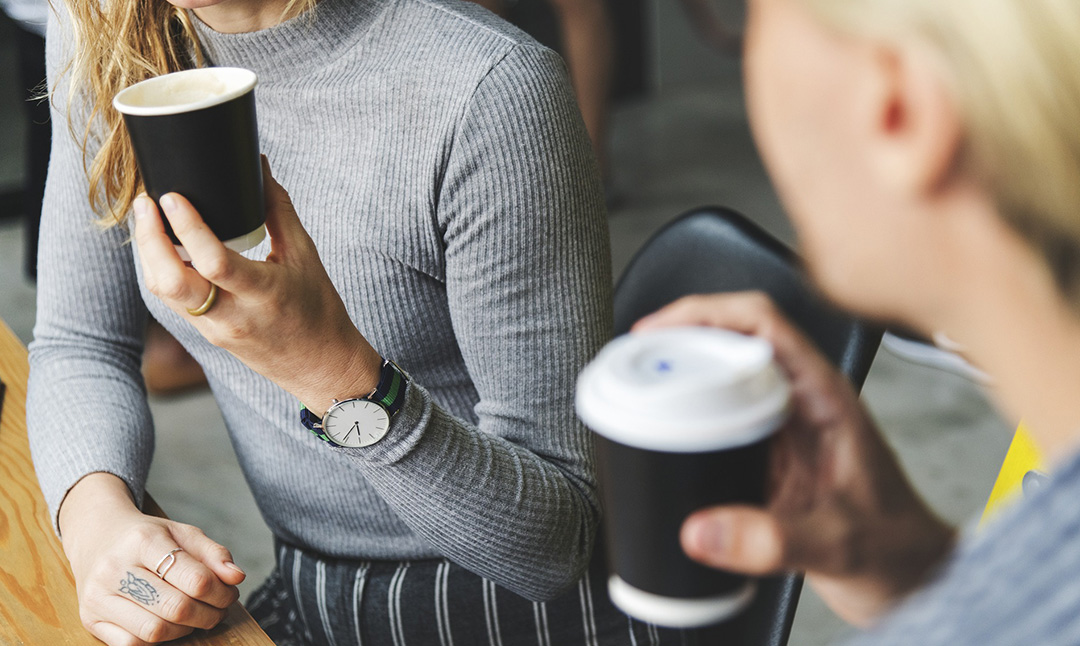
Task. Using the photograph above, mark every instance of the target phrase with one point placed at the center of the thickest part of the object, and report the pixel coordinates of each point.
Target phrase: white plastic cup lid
(684, 390)
(184, 91)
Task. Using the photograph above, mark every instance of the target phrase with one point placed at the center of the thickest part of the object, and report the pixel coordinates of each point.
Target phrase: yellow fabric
(1023, 456)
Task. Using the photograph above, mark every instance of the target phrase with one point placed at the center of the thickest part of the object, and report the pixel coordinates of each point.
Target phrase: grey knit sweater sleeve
(437, 159)
(1013, 582)
(86, 403)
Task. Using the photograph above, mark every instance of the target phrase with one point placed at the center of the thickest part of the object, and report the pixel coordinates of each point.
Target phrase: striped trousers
(312, 600)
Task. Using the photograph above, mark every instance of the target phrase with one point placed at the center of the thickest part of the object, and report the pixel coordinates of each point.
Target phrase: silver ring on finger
(166, 563)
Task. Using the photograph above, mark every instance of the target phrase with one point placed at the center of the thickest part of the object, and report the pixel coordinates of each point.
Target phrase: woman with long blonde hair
(928, 152)
(436, 275)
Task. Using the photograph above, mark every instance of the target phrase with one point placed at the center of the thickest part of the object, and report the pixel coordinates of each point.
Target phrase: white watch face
(356, 423)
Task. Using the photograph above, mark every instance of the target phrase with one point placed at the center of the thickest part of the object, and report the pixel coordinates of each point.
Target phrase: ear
(915, 128)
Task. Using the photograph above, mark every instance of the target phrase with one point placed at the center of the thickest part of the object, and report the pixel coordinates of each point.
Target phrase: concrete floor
(685, 146)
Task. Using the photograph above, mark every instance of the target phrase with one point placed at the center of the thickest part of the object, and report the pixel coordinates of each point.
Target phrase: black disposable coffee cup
(195, 133)
(683, 419)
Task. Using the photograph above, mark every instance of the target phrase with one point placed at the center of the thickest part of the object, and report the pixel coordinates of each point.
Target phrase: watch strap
(311, 422)
(390, 393)
(314, 424)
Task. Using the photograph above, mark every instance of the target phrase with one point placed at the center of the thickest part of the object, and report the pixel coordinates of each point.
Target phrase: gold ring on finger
(211, 298)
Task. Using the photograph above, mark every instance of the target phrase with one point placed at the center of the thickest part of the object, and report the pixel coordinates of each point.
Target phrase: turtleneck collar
(295, 45)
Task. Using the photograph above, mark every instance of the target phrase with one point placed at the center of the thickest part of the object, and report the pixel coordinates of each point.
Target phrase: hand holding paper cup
(194, 133)
(683, 420)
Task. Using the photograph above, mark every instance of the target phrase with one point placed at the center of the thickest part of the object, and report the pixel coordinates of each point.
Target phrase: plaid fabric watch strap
(314, 424)
(390, 394)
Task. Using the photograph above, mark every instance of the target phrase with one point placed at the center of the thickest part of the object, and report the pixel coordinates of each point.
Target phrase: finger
(740, 539)
(165, 274)
(752, 313)
(187, 573)
(140, 621)
(197, 581)
(209, 256)
(759, 543)
(147, 590)
(206, 562)
(282, 222)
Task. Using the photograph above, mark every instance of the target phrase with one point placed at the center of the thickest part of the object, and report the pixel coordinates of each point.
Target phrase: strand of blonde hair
(119, 43)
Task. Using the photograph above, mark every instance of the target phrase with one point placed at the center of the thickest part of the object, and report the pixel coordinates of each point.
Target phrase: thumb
(740, 539)
(214, 556)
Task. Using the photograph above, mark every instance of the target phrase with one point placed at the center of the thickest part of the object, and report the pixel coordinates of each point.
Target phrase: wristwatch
(361, 421)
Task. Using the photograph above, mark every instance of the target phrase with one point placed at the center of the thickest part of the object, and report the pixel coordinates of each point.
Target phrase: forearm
(512, 495)
(86, 406)
(86, 410)
(491, 505)
(529, 289)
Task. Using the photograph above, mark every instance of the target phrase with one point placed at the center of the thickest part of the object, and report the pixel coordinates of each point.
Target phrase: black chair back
(715, 249)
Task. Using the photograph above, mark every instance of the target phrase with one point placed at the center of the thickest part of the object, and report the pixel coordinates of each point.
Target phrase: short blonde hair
(1014, 69)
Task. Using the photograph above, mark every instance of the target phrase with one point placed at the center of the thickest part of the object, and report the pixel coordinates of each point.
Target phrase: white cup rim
(737, 403)
(679, 612)
(239, 81)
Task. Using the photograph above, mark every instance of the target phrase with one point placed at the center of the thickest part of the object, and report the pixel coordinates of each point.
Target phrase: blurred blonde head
(1013, 68)
(118, 43)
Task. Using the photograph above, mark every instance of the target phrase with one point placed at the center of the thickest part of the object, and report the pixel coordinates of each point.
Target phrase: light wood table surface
(38, 606)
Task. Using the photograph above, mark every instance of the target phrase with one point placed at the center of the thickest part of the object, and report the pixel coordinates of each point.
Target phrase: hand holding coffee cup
(195, 134)
(288, 295)
(210, 197)
(839, 506)
(683, 420)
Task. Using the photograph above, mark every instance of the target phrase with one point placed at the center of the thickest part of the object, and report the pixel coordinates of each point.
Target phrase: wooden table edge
(238, 628)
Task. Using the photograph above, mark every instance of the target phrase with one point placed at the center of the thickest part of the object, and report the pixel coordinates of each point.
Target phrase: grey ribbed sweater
(437, 158)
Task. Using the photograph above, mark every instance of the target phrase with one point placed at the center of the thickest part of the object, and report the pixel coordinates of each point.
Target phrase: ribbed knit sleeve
(529, 288)
(86, 405)
(1014, 580)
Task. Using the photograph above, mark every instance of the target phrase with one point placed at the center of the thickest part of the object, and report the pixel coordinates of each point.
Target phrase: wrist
(354, 374)
(908, 568)
(918, 565)
(96, 496)
(897, 557)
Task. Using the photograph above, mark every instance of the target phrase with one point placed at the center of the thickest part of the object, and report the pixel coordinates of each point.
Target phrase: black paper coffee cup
(195, 133)
(683, 420)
